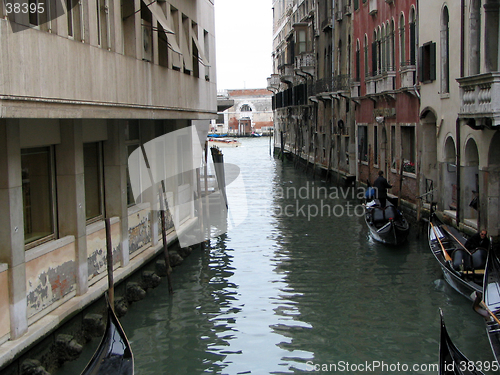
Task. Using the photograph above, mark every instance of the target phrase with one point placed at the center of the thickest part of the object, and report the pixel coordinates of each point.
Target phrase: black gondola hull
(388, 230)
(114, 354)
(456, 279)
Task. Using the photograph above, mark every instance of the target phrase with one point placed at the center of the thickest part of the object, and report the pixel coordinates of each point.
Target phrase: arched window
(413, 37)
(393, 45)
(383, 49)
(445, 51)
(245, 108)
(358, 61)
(366, 55)
(402, 43)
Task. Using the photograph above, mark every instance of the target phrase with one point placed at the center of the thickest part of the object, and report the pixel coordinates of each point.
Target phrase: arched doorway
(427, 158)
(493, 187)
(449, 199)
(470, 181)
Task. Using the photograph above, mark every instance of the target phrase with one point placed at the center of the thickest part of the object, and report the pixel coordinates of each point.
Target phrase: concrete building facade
(80, 92)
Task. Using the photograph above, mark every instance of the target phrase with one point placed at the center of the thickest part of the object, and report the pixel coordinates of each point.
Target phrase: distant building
(251, 112)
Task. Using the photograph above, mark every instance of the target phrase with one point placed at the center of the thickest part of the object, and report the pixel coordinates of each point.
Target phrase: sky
(243, 38)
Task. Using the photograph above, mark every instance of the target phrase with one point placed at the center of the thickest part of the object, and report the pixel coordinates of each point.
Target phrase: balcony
(326, 23)
(287, 73)
(407, 73)
(480, 99)
(273, 82)
(355, 89)
(381, 83)
(334, 85)
(305, 63)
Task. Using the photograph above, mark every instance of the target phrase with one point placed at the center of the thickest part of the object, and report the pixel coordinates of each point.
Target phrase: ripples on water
(278, 291)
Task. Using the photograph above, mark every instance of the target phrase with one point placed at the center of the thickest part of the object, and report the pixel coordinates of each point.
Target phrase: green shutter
(432, 61)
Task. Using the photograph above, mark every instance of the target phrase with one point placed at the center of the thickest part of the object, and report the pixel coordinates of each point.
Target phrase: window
(69, 15)
(408, 148)
(103, 38)
(393, 147)
(38, 194)
(301, 41)
(356, 4)
(375, 144)
(93, 169)
(245, 108)
(162, 47)
(445, 52)
(413, 37)
(427, 68)
(33, 16)
(366, 55)
(402, 42)
(357, 62)
(363, 143)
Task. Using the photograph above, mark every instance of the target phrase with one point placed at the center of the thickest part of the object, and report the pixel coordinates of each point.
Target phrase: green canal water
(284, 293)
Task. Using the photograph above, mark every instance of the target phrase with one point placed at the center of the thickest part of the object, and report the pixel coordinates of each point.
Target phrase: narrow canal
(283, 293)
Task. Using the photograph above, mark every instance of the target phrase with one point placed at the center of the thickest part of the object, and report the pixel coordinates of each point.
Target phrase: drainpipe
(457, 135)
(462, 37)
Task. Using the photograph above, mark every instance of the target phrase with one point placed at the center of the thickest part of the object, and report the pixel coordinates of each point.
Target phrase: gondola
(387, 225)
(451, 359)
(487, 304)
(114, 354)
(462, 269)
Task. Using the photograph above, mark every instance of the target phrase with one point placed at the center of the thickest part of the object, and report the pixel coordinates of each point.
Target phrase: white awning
(204, 60)
(188, 59)
(162, 20)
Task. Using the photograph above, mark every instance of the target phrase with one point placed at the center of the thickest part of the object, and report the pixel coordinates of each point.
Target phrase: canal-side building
(79, 93)
(311, 83)
(460, 110)
(387, 116)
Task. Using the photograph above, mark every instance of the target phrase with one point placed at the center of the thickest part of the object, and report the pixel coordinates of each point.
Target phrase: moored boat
(224, 142)
(463, 269)
(487, 304)
(387, 224)
(451, 360)
(114, 354)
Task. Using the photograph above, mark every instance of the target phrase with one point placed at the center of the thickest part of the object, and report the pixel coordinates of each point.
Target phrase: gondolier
(381, 185)
(480, 239)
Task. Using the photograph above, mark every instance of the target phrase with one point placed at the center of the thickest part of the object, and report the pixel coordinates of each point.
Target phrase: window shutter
(412, 43)
(357, 66)
(374, 58)
(432, 62)
(421, 64)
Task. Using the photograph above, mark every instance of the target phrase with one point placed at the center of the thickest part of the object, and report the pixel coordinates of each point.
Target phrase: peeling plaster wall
(50, 277)
(4, 303)
(96, 252)
(139, 229)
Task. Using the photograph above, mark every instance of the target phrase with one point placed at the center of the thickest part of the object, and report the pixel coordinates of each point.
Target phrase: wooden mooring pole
(109, 260)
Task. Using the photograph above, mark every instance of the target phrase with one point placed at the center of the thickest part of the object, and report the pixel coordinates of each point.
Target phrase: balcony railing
(480, 98)
(335, 84)
(306, 63)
